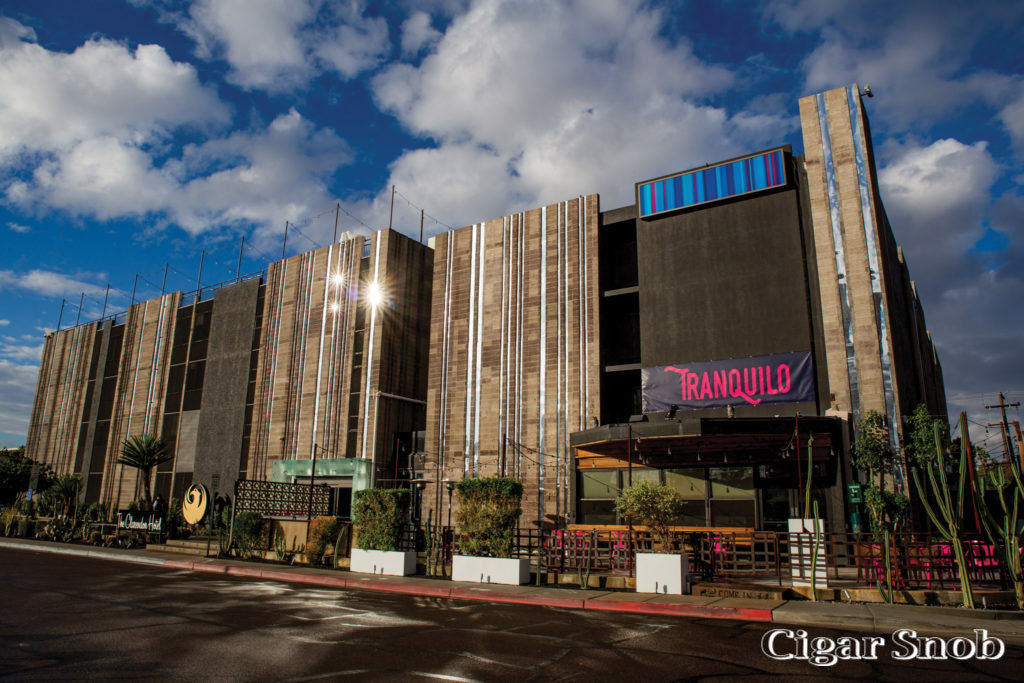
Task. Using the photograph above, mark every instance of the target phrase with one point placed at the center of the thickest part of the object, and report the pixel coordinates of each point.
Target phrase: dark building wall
(222, 418)
(726, 281)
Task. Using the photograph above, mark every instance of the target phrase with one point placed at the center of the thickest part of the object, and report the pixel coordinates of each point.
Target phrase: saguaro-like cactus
(1002, 530)
(950, 507)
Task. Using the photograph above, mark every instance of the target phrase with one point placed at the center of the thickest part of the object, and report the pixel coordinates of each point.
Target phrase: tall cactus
(1003, 532)
(952, 510)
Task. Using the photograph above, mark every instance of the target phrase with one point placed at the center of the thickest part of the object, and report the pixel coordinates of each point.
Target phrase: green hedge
(489, 508)
(377, 517)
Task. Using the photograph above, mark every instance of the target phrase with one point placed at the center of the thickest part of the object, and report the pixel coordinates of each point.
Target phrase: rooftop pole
(61, 316)
(163, 285)
(337, 209)
(238, 271)
(391, 216)
(199, 279)
(105, 297)
(134, 286)
(284, 245)
(79, 316)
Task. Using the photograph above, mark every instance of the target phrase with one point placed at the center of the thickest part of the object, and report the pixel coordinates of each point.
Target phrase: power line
(419, 208)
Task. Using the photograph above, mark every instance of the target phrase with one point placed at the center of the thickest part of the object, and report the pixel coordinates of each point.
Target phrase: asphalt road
(65, 617)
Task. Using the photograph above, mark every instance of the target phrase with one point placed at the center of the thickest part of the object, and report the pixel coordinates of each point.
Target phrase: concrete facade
(515, 346)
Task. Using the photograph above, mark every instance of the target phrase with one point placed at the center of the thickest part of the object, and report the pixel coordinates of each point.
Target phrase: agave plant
(144, 452)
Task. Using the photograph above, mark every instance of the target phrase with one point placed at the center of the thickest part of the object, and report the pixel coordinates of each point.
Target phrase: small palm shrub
(655, 506)
(322, 533)
(488, 510)
(377, 517)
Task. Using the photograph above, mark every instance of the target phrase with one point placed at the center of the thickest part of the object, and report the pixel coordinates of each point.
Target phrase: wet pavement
(69, 617)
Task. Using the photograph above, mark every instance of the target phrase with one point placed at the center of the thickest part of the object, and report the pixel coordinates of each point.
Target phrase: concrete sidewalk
(875, 618)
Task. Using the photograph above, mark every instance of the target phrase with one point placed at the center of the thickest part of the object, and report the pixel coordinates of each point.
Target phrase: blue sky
(136, 133)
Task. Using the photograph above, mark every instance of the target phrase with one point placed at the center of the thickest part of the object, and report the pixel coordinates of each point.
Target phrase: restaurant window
(691, 485)
(733, 500)
(598, 491)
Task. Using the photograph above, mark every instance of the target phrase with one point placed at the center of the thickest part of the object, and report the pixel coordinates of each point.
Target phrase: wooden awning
(697, 450)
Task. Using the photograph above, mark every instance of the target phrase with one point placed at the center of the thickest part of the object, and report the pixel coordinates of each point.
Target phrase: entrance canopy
(707, 442)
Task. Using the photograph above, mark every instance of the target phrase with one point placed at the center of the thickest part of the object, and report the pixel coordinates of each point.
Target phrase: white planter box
(662, 573)
(801, 549)
(511, 571)
(389, 562)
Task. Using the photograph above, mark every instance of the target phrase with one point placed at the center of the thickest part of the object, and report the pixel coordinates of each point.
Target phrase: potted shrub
(489, 508)
(657, 507)
(377, 518)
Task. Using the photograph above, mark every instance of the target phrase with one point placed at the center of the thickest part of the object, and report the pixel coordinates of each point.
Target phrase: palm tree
(144, 452)
(65, 490)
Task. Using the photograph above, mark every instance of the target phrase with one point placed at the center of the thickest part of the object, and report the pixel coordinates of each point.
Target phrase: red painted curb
(278, 576)
(746, 614)
(478, 595)
(406, 588)
(243, 571)
(515, 598)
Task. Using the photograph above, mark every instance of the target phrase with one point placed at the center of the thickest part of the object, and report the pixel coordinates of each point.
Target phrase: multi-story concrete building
(318, 356)
(737, 315)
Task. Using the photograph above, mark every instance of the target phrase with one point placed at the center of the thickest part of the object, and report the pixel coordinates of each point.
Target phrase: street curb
(779, 614)
(698, 611)
(453, 593)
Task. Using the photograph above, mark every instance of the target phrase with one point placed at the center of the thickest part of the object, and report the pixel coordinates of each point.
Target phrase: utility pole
(391, 216)
(1004, 427)
(1020, 439)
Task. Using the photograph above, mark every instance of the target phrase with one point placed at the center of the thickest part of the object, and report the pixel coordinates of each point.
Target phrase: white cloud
(49, 283)
(91, 128)
(21, 352)
(279, 45)
(417, 33)
(915, 55)
(51, 101)
(17, 227)
(17, 389)
(1012, 118)
(4, 322)
(938, 198)
(532, 103)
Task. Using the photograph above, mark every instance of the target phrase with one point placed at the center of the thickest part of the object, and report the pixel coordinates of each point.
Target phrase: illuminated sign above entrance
(779, 378)
(755, 173)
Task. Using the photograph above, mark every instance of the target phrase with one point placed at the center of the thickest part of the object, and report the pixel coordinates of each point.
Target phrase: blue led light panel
(743, 176)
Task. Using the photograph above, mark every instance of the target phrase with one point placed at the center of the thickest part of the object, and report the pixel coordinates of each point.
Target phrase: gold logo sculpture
(193, 507)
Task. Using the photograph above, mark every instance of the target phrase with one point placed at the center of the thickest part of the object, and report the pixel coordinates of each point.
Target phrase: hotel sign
(139, 521)
(778, 378)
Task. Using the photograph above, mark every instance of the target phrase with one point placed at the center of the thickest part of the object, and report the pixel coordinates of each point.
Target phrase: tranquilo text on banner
(778, 378)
